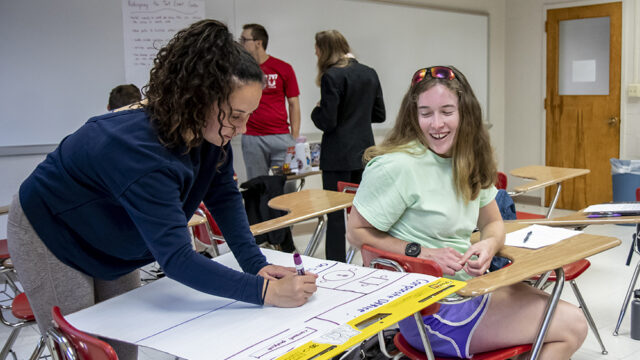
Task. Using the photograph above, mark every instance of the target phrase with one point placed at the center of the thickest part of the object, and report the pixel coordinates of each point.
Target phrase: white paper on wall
(148, 25)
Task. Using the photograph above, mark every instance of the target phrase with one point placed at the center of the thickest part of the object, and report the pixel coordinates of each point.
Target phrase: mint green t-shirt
(412, 197)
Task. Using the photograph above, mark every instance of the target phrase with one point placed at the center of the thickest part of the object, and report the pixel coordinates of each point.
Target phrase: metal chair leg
(423, 335)
(551, 307)
(39, 348)
(350, 254)
(627, 298)
(587, 315)
(319, 231)
(9, 344)
(633, 246)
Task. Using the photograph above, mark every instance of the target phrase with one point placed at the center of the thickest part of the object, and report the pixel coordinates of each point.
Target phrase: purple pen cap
(297, 259)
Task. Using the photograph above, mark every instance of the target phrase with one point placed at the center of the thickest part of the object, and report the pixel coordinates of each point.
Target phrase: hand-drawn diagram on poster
(148, 25)
(173, 318)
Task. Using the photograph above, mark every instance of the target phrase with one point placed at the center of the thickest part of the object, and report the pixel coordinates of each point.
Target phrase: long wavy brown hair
(332, 51)
(200, 66)
(474, 166)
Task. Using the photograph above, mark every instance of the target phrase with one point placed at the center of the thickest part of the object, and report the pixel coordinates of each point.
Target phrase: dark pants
(335, 241)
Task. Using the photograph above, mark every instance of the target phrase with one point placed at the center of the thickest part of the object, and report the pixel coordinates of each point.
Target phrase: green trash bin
(625, 179)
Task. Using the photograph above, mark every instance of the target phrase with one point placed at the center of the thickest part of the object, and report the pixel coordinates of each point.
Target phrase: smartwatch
(412, 249)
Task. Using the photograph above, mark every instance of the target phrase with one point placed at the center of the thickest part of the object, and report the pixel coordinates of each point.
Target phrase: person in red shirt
(269, 134)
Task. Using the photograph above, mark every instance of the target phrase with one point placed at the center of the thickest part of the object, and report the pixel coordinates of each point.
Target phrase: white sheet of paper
(615, 207)
(176, 319)
(540, 236)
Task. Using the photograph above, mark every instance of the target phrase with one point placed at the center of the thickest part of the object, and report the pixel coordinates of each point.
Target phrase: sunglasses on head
(436, 72)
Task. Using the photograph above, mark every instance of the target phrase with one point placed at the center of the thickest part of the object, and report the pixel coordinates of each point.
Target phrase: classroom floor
(603, 287)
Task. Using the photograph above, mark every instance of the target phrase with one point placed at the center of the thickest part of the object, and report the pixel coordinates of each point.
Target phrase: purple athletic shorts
(450, 329)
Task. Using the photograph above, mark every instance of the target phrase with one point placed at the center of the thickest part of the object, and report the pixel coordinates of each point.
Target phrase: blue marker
(298, 261)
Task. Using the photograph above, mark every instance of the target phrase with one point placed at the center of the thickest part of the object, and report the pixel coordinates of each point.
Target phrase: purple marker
(298, 261)
(602, 215)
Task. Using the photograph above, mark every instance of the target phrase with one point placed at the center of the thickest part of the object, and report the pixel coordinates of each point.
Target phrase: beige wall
(524, 73)
(496, 9)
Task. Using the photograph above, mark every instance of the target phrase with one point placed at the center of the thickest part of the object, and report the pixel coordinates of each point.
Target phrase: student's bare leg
(514, 316)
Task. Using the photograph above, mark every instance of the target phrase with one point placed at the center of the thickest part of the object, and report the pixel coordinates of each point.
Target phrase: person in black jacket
(351, 99)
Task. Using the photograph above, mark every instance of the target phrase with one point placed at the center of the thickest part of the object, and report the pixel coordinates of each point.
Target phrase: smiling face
(439, 118)
(243, 100)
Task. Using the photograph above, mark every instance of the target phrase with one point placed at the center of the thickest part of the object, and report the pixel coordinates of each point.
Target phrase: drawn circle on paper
(338, 275)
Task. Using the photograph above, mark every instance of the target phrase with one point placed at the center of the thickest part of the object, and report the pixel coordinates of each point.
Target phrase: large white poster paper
(173, 318)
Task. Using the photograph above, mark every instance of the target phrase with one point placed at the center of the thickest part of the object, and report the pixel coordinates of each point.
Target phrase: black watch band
(412, 249)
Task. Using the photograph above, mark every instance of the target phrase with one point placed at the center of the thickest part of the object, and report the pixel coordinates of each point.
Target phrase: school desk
(581, 220)
(542, 177)
(302, 177)
(530, 262)
(352, 303)
(304, 205)
(196, 220)
(578, 220)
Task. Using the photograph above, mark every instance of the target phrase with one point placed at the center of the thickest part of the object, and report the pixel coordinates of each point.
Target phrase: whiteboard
(395, 40)
(60, 58)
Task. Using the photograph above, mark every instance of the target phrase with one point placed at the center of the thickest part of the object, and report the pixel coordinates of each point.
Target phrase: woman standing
(117, 194)
(351, 99)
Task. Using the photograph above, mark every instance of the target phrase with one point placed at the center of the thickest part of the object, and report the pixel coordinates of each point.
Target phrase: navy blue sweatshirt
(111, 198)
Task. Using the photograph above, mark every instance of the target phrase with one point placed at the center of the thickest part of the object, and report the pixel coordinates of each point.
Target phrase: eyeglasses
(436, 72)
(243, 40)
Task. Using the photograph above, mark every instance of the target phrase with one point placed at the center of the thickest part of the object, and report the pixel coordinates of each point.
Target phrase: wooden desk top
(4, 209)
(578, 219)
(303, 205)
(531, 262)
(303, 175)
(196, 220)
(544, 176)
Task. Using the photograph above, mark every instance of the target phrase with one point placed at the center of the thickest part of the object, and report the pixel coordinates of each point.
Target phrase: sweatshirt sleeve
(153, 203)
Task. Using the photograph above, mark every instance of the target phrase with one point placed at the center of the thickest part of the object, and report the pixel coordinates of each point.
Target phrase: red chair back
(200, 231)
(409, 264)
(85, 346)
(501, 183)
(347, 187)
(638, 194)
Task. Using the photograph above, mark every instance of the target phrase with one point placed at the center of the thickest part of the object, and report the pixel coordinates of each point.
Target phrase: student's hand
(291, 291)
(447, 258)
(482, 249)
(273, 272)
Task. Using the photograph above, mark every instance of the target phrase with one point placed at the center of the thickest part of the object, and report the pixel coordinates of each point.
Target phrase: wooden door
(582, 131)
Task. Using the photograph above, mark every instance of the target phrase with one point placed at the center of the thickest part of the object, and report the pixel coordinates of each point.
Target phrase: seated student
(123, 95)
(424, 190)
(117, 194)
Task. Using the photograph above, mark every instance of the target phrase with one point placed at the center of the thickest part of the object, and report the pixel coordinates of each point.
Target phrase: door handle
(613, 120)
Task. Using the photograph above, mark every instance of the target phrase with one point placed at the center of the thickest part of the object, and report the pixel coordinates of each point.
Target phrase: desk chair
(571, 272)
(374, 257)
(350, 188)
(68, 343)
(208, 234)
(21, 310)
(635, 246)
(7, 272)
(502, 184)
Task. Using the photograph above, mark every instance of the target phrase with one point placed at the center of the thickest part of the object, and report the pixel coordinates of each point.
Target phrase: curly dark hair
(200, 66)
